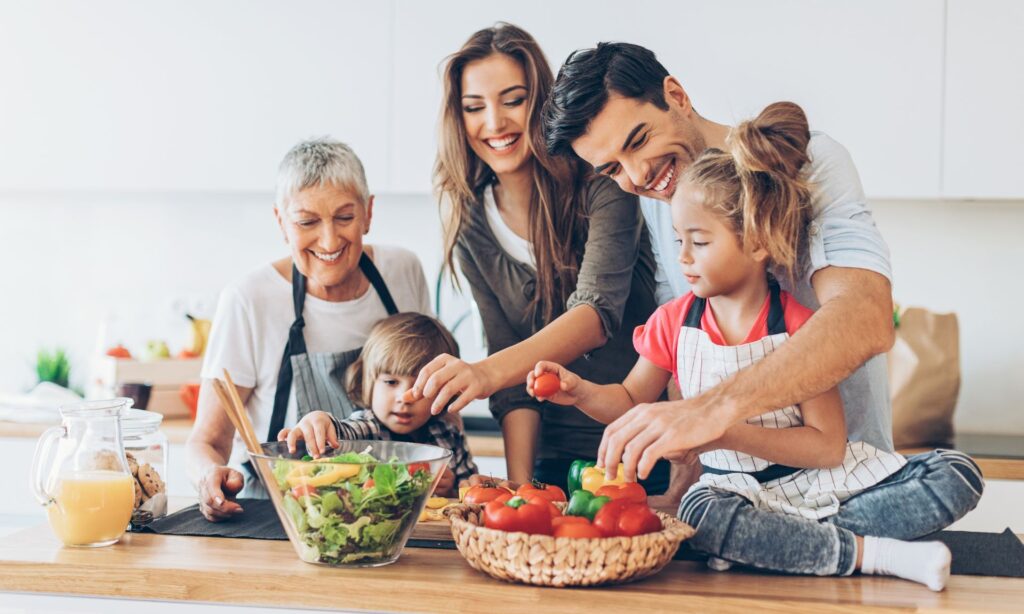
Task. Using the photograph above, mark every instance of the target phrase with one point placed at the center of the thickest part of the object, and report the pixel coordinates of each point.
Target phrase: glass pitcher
(84, 481)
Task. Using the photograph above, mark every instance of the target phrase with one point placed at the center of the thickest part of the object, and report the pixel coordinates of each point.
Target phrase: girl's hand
(447, 377)
(569, 384)
(446, 485)
(317, 429)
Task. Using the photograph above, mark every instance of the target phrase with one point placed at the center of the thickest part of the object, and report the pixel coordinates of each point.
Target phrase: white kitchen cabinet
(984, 126)
(189, 95)
(868, 73)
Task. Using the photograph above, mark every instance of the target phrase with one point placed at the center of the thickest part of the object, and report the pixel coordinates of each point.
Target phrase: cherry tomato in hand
(546, 385)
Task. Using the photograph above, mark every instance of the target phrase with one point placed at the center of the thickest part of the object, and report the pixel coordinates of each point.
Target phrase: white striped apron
(810, 493)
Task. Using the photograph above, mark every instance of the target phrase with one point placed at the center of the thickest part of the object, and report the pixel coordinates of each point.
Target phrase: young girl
(394, 353)
(784, 491)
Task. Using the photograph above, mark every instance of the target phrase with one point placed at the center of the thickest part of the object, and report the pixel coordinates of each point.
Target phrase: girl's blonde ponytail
(770, 153)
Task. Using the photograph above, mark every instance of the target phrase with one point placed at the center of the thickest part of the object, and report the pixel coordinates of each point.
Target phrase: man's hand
(671, 429)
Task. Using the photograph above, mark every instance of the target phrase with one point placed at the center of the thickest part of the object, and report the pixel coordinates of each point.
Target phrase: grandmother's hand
(217, 490)
(447, 377)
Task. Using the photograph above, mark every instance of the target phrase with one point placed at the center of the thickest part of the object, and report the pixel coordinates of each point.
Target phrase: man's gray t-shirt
(842, 233)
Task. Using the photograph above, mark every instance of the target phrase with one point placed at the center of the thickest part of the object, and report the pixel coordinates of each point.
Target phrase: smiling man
(617, 108)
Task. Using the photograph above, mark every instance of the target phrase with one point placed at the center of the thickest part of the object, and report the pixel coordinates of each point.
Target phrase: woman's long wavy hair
(557, 224)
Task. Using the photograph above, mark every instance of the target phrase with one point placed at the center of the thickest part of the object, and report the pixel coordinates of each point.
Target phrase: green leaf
(296, 513)
(385, 478)
(382, 533)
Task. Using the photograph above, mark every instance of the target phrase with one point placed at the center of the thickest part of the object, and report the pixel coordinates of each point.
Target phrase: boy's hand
(317, 429)
(569, 384)
(446, 485)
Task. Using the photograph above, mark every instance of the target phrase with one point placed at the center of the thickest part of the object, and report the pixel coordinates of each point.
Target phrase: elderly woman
(287, 331)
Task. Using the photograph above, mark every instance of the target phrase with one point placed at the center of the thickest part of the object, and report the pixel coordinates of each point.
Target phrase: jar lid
(140, 421)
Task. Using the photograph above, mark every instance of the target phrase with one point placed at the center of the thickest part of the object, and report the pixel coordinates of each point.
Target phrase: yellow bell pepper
(593, 478)
(336, 473)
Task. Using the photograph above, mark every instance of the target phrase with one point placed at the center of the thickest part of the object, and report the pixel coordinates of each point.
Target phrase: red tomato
(578, 530)
(119, 351)
(626, 518)
(485, 493)
(304, 490)
(546, 385)
(414, 467)
(519, 515)
(561, 520)
(630, 491)
(548, 491)
(368, 484)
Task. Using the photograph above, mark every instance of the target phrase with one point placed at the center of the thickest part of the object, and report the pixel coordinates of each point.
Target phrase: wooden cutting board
(434, 530)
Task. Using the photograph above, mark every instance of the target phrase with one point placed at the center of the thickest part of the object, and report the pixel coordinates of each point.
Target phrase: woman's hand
(569, 384)
(317, 429)
(446, 378)
(217, 490)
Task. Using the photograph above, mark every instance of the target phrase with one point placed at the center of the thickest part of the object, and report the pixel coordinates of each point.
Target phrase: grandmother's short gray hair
(318, 162)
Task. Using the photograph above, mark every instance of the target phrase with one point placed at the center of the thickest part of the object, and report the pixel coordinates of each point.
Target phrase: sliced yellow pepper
(593, 478)
(436, 503)
(300, 476)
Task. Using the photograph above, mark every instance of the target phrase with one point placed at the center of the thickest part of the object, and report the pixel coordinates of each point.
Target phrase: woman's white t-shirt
(514, 245)
(250, 328)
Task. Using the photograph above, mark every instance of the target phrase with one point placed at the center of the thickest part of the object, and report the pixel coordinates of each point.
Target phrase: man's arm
(853, 324)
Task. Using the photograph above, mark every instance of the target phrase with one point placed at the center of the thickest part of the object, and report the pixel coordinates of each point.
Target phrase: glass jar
(146, 450)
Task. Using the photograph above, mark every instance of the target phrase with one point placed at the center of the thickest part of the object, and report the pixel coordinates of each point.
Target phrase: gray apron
(317, 377)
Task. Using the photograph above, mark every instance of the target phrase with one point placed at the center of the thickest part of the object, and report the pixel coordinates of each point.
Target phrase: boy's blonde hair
(401, 344)
(759, 185)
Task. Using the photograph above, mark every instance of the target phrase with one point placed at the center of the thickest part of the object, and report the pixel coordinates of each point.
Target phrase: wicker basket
(548, 561)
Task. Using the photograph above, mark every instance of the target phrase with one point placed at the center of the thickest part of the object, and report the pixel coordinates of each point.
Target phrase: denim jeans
(929, 493)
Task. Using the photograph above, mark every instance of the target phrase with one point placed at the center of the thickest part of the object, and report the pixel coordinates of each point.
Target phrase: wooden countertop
(268, 573)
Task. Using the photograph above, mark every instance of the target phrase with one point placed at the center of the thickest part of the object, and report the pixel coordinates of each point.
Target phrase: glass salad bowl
(357, 505)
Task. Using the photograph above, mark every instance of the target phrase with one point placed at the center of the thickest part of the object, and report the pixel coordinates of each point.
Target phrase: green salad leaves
(358, 518)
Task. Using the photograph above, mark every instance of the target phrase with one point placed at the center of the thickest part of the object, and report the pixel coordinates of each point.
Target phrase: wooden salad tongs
(235, 409)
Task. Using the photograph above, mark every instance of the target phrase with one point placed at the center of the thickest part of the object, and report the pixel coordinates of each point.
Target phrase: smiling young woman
(558, 261)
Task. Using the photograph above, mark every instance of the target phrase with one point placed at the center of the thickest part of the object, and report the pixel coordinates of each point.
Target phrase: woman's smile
(504, 144)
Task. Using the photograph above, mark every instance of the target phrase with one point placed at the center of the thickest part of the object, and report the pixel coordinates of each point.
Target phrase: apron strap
(695, 312)
(776, 317)
(297, 343)
(367, 267)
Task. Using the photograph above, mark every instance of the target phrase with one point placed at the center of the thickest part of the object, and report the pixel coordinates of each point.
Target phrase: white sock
(924, 562)
(718, 564)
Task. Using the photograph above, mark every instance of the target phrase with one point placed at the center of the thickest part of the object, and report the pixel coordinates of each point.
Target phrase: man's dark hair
(584, 82)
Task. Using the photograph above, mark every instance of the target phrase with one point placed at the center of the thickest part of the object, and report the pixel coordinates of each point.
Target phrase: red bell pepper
(630, 491)
(519, 515)
(625, 518)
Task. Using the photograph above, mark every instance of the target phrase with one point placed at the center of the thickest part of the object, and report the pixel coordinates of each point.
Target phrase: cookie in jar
(146, 449)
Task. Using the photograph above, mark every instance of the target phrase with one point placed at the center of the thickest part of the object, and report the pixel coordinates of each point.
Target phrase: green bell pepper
(575, 481)
(584, 503)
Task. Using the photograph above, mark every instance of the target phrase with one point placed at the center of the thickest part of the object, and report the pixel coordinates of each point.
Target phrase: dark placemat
(258, 521)
(983, 554)
(974, 554)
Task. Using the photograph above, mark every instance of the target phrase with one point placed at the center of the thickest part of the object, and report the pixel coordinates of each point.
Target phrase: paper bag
(924, 378)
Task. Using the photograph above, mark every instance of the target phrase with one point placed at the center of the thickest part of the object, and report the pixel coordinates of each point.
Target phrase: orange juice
(92, 507)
